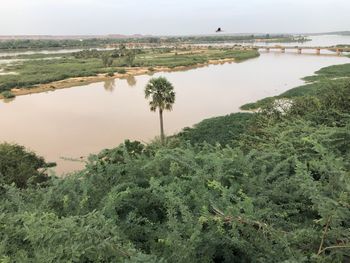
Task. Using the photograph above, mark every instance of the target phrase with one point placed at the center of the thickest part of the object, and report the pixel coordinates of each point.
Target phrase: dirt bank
(80, 81)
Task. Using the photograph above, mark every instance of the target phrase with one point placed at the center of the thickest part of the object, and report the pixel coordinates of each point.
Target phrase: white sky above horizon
(171, 17)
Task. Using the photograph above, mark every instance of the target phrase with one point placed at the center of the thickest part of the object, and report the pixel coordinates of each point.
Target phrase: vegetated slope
(224, 130)
(280, 193)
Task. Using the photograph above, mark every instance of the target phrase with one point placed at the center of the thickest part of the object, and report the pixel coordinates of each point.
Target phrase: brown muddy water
(74, 122)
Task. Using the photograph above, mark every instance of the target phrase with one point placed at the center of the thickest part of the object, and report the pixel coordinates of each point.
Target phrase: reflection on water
(131, 80)
(8, 100)
(77, 121)
(109, 84)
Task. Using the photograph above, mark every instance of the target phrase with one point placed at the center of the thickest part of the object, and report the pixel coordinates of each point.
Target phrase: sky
(171, 17)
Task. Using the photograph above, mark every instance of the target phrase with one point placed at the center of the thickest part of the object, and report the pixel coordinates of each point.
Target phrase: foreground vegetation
(273, 187)
(92, 62)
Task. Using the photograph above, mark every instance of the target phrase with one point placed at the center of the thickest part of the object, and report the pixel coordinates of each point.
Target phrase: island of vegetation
(45, 72)
(108, 41)
(268, 186)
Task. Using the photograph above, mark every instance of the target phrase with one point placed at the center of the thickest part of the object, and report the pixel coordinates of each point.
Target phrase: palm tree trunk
(161, 126)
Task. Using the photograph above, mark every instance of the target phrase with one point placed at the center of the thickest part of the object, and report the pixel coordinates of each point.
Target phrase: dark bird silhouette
(218, 30)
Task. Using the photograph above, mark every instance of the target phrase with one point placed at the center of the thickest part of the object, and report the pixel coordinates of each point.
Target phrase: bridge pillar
(299, 50)
(318, 51)
(283, 50)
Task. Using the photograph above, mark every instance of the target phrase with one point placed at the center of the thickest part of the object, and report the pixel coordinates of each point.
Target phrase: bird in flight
(218, 30)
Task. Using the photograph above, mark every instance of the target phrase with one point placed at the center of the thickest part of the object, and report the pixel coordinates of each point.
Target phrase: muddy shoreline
(80, 81)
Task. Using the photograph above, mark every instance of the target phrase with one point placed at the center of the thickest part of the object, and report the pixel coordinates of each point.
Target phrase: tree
(162, 95)
(21, 167)
(130, 57)
(107, 61)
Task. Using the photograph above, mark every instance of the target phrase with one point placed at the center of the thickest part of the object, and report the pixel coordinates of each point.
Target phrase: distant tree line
(103, 42)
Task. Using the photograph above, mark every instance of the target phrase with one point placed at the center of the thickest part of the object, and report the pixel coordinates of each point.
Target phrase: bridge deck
(345, 49)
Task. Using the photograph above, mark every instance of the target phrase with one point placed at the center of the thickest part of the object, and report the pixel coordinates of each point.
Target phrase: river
(74, 122)
(321, 40)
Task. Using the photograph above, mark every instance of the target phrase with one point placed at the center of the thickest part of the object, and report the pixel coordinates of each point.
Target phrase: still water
(75, 122)
(322, 41)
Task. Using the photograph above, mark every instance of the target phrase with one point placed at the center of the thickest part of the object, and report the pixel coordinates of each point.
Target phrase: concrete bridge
(299, 49)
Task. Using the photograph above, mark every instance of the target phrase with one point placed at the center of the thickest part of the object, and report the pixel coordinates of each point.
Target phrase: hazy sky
(171, 17)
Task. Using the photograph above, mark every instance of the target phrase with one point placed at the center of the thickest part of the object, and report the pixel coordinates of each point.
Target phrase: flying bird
(218, 30)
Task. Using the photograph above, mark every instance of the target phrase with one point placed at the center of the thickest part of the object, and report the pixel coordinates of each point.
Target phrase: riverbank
(111, 72)
(324, 78)
(103, 114)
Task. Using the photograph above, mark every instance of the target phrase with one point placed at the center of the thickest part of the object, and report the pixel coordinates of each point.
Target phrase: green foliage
(326, 78)
(7, 94)
(121, 71)
(88, 63)
(331, 72)
(34, 72)
(110, 74)
(279, 193)
(130, 58)
(223, 130)
(161, 94)
(107, 61)
(162, 97)
(102, 42)
(88, 53)
(21, 167)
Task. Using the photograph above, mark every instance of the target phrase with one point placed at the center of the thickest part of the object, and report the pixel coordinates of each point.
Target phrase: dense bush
(7, 94)
(280, 193)
(230, 128)
(21, 167)
(121, 71)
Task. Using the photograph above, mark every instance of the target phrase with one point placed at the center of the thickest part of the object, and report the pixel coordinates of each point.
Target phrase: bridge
(299, 49)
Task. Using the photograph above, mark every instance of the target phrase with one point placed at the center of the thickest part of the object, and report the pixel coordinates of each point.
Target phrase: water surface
(81, 120)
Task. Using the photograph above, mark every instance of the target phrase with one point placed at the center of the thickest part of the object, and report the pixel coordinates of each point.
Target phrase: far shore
(133, 71)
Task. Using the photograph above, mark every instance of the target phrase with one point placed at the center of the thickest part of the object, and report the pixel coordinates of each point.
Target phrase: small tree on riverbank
(162, 95)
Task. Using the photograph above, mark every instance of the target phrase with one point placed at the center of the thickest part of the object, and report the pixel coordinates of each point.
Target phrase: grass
(336, 71)
(324, 78)
(32, 72)
(225, 130)
(8, 94)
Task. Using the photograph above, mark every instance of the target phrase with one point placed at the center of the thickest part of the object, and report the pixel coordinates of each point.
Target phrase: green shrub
(7, 94)
(121, 71)
(20, 166)
(281, 194)
(110, 74)
(224, 129)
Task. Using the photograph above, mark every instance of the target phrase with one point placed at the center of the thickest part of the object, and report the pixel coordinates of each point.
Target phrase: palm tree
(162, 95)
